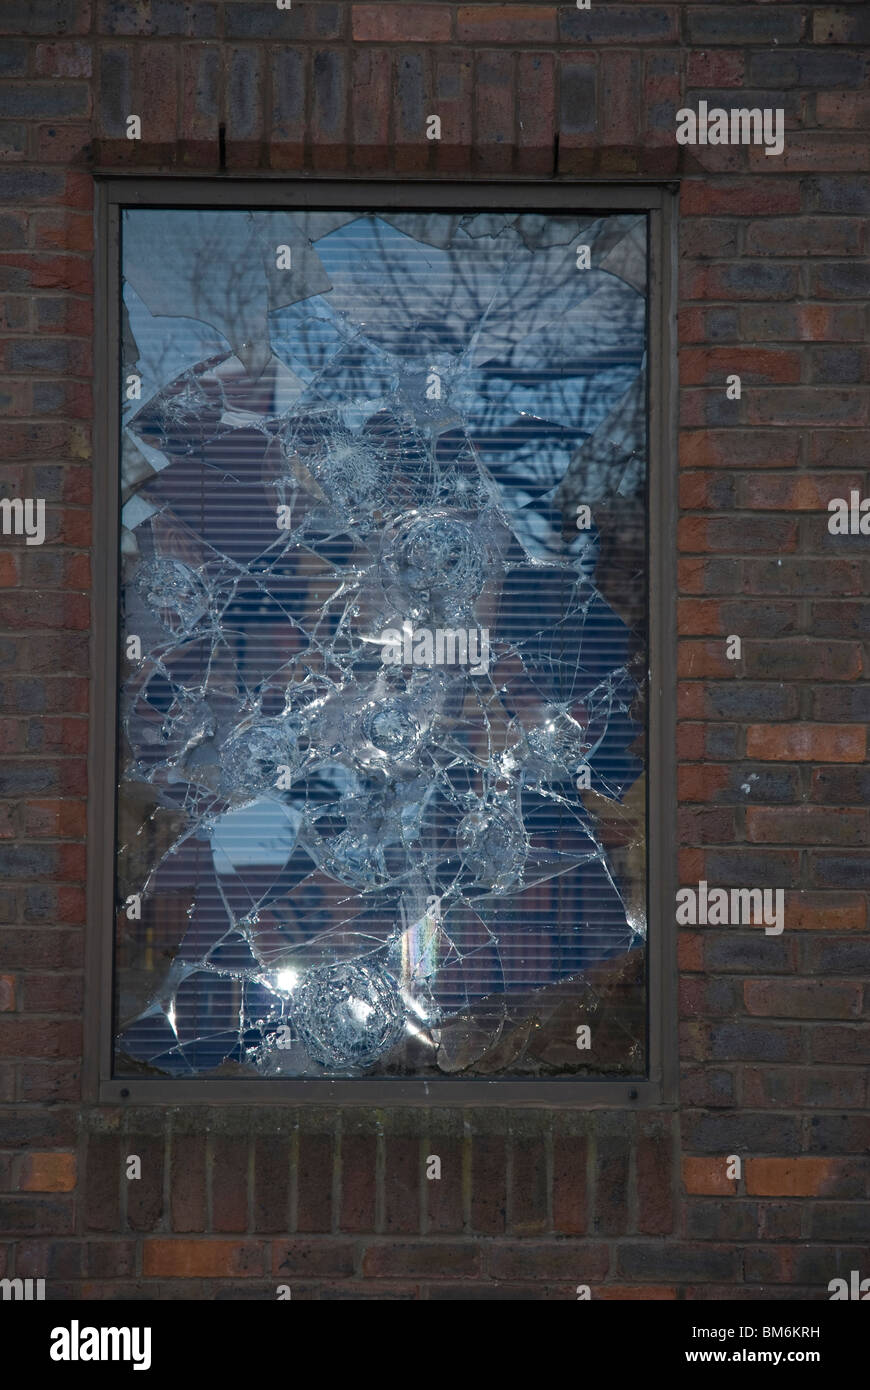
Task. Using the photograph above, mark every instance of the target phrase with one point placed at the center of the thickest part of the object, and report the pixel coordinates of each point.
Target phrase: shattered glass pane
(382, 724)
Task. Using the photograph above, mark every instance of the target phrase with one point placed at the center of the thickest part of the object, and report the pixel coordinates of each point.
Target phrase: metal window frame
(659, 1086)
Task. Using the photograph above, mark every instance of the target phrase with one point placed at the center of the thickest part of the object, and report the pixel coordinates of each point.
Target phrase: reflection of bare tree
(289, 610)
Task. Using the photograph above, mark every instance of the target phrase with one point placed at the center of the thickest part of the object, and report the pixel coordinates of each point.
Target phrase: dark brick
(665, 1260)
(832, 870)
(849, 1221)
(410, 108)
(49, 1259)
(116, 91)
(301, 21)
(271, 1184)
(104, 1174)
(733, 25)
(244, 96)
(627, 25)
(410, 1259)
(13, 58)
(30, 185)
(577, 94)
(22, 1214)
(547, 1260)
(722, 1220)
(850, 704)
(654, 1166)
(496, 102)
(314, 1183)
(444, 1195)
(229, 1183)
(47, 99)
(841, 280)
(806, 68)
(402, 1180)
(489, 1184)
(570, 1207)
(527, 1209)
(841, 1042)
(612, 1146)
(329, 113)
(752, 1042)
(752, 950)
(839, 1134)
(838, 193)
(313, 1259)
(358, 1170)
(160, 18)
(55, 17)
(741, 1132)
(188, 1180)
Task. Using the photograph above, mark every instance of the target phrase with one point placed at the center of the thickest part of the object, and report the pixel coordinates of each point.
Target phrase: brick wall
(774, 1030)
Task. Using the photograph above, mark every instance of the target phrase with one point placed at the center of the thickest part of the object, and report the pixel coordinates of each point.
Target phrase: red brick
(569, 1185)
(403, 1174)
(188, 1181)
(620, 81)
(54, 272)
(203, 1259)
(102, 1185)
(754, 366)
(739, 197)
(737, 535)
(736, 448)
(47, 1172)
(719, 67)
(58, 819)
(811, 151)
(20, 1037)
(802, 492)
(229, 1184)
(444, 1196)
(513, 24)
(434, 1259)
(843, 110)
(494, 131)
(145, 1193)
(314, 1182)
(810, 999)
(489, 1184)
(690, 951)
(52, 993)
(827, 743)
(271, 1184)
(825, 911)
(527, 1202)
(707, 1176)
(788, 1177)
(371, 108)
(358, 1161)
(654, 1166)
(567, 1259)
(401, 23)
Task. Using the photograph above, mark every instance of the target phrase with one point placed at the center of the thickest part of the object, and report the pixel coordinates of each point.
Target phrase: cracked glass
(382, 720)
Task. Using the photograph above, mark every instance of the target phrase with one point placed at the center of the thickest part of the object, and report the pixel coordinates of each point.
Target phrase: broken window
(382, 718)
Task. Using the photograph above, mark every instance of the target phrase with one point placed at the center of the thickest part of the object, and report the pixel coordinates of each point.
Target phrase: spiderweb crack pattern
(352, 864)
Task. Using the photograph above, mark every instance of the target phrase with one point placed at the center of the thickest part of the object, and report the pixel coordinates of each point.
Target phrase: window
(383, 655)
